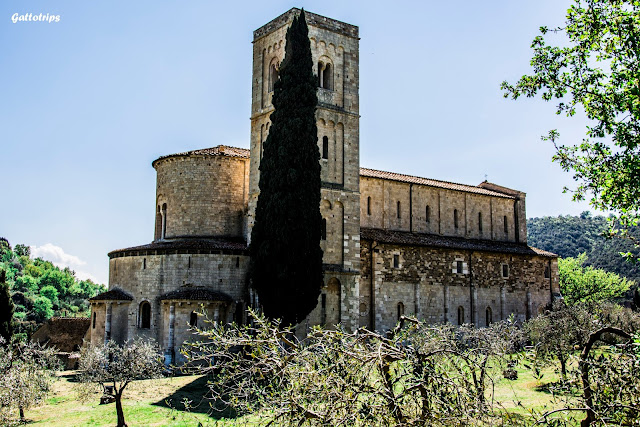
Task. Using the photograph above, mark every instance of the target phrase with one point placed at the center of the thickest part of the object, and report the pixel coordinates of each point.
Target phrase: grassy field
(145, 403)
(153, 402)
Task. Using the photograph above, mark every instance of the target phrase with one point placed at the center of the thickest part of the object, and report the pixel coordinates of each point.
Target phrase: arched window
(428, 214)
(506, 225)
(400, 310)
(455, 218)
(94, 320)
(144, 263)
(398, 209)
(193, 319)
(547, 274)
(480, 222)
(164, 221)
(460, 315)
(325, 147)
(273, 75)
(144, 315)
(489, 317)
(325, 75)
(324, 229)
(369, 205)
(158, 234)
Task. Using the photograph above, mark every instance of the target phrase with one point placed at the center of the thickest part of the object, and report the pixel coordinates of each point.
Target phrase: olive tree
(416, 374)
(26, 375)
(120, 365)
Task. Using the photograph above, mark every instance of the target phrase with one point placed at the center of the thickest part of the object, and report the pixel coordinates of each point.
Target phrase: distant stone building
(393, 244)
(66, 335)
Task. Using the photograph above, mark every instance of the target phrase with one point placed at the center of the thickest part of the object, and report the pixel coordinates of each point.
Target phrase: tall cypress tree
(6, 309)
(286, 259)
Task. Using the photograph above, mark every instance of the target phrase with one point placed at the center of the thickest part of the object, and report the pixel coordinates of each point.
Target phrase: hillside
(40, 290)
(569, 236)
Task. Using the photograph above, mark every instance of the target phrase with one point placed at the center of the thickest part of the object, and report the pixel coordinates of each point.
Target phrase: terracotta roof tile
(372, 173)
(187, 244)
(114, 294)
(434, 240)
(220, 150)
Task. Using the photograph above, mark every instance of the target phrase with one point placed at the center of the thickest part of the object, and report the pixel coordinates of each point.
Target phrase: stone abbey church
(393, 244)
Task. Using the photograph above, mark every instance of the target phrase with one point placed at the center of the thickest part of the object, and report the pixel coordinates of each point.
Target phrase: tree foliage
(40, 290)
(602, 382)
(417, 374)
(119, 365)
(587, 284)
(6, 309)
(286, 259)
(26, 375)
(595, 68)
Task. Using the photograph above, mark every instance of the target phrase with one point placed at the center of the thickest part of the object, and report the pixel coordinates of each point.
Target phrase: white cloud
(60, 258)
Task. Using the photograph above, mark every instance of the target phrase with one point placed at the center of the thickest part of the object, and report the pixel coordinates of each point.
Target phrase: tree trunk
(119, 411)
(21, 413)
(587, 392)
(563, 368)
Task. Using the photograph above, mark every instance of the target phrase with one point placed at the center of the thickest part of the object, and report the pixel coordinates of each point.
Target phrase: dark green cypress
(286, 259)
(6, 309)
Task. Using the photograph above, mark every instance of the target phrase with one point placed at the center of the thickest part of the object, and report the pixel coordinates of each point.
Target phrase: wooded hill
(40, 290)
(569, 236)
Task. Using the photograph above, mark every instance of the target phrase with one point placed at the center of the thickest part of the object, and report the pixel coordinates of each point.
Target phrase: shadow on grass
(70, 376)
(559, 388)
(197, 394)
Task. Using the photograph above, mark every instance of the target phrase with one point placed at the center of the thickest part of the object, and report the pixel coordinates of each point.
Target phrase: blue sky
(90, 101)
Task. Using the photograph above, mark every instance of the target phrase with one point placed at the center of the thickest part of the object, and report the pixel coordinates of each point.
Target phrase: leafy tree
(584, 284)
(119, 365)
(51, 293)
(286, 259)
(556, 334)
(569, 236)
(595, 69)
(42, 308)
(22, 250)
(6, 309)
(26, 375)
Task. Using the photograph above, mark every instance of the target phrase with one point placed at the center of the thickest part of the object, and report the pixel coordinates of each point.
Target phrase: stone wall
(404, 206)
(147, 277)
(428, 284)
(204, 196)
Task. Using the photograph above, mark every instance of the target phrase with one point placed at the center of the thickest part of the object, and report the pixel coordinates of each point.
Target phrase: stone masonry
(395, 244)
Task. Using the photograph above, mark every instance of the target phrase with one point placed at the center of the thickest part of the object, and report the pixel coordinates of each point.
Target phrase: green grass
(145, 403)
(527, 395)
(158, 402)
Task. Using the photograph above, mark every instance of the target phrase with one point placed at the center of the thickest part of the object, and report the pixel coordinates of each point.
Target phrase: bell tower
(335, 51)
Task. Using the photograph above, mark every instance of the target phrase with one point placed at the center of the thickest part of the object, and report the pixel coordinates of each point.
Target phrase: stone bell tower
(334, 47)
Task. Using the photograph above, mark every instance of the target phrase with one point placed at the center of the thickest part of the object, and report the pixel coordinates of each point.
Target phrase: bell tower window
(325, 147)
(273, 74)
(325, 75)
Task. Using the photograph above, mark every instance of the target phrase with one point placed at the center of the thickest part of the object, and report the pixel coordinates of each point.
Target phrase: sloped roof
(219, 150)
(114, 294)
(186, 244)
(373, 173)
(447, 242)
(195, 293)
(64, 333)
